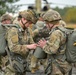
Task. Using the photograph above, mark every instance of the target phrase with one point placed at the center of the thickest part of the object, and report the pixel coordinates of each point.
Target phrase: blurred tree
(70, 15)
(61, 11)
(7, 6)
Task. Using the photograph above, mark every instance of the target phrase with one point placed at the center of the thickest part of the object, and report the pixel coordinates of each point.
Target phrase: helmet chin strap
(51, 26)
(24, 24)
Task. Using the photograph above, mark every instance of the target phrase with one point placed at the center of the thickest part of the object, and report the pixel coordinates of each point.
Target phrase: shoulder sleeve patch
(13, 33)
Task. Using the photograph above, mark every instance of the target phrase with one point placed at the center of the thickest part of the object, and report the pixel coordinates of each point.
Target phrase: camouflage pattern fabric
(3, 61)
(6, 17)
(17, 39)
(40, 24)
(52, 47)
(9, 70)
(54, 42)
(29, 16)
(51, 15)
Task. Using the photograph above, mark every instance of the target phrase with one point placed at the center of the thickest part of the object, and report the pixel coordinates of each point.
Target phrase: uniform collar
(20, 28)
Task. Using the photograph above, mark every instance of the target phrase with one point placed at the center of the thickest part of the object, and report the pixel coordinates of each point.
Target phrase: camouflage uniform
(4, 58)
(40, 32)
(17, 39)
(14, 39)
(53, 46)
(59, 65)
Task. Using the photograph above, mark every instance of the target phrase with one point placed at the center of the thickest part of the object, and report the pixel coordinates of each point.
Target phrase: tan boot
(33, 70)
(33, 65)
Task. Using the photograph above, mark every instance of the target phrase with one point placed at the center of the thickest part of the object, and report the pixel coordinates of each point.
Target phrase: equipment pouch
(19, 63)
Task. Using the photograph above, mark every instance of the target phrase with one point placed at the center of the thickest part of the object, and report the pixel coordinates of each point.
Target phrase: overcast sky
(60, 3)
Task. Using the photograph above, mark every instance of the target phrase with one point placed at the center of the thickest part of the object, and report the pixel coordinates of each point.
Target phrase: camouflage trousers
(9, 70)
(58, 68)
(3, 61)
(61, 68)
(38, 64)
(38, 56)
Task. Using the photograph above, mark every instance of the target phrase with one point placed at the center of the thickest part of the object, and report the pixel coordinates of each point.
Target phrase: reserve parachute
(2, 40)
(3, 44)
(70, 51)
(71, 47)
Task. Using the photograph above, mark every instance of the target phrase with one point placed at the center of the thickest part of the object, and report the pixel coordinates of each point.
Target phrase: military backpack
(70, 43)
(16, 60)
(3, 30)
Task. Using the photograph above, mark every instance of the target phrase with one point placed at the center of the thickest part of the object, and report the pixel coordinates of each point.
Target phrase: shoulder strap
(65, 30)
(53, 30)
(10, 25)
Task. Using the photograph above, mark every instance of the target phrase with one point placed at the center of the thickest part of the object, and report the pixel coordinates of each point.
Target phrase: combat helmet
(51, 16)
(40, 25)
(20, 14)
(28, 16)
(6, 17)
(34, 15)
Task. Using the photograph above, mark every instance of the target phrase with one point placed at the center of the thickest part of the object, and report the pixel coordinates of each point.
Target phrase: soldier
(40, 23)
(20, 42)
(17, 18)
(55, 46)
(6, 19)
(41, 31)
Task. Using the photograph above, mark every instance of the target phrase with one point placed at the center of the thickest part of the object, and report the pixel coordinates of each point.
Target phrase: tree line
(68, 13)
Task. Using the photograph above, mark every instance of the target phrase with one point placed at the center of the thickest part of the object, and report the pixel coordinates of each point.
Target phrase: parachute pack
(3, 44)
(70, 51)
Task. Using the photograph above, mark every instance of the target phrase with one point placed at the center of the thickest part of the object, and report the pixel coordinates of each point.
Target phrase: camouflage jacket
(18, 38)
(56, 39)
